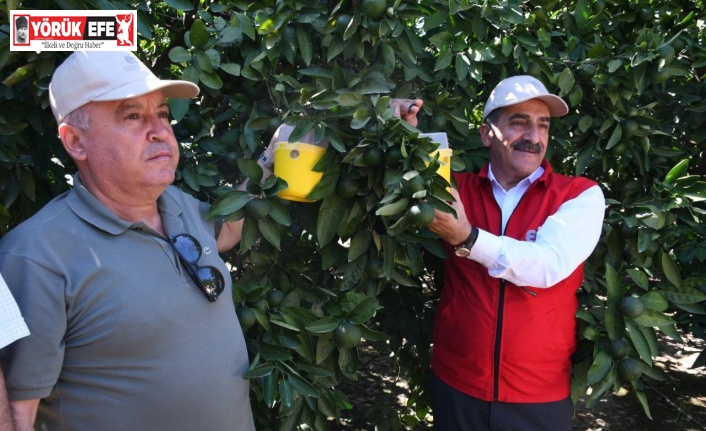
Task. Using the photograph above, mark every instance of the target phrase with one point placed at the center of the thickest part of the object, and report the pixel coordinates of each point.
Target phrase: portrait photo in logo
(21, 30)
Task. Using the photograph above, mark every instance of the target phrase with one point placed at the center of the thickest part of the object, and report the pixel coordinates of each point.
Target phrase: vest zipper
(498, 341)
(501, 309)
(531, 186)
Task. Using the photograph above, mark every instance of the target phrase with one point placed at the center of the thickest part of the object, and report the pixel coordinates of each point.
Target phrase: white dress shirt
(566, 238)
(12, 325)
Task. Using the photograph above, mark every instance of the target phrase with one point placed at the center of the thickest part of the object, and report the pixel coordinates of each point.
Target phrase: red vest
(492, 339)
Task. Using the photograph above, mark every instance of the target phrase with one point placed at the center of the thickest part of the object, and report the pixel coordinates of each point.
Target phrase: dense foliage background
(312, 278)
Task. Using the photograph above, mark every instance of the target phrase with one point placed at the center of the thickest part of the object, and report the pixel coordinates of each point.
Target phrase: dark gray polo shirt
(121, 337)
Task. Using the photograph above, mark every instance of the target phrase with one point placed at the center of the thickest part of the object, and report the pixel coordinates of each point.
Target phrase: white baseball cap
(88, 76)
(518, 89)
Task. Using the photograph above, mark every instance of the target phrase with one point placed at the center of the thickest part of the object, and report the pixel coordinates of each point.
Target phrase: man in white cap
(119, 280)
(505, 324)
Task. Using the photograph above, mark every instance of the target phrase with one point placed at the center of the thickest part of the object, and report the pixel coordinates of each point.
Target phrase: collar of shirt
(508, 199)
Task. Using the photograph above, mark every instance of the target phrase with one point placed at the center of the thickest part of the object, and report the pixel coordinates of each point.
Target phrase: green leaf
(670, 270)
(331, 214)
(324, 347)
(269, 389)
(678, 171)
(614, 137)
(228, 203)
(603, 387)
(599, 368)
(305, 48)
(566, 81)
(302, 386)
(359, 245)
(654, 318)
(179, 54)
(393, 208)
(262, 370)
(190, 178)
(286, 393)
(683, 295)
(198, 36)
(639, 277)
(364, 311)
(183, 5)
(639, 341)
(211, 79)
(322, 326)
(178, 108)
(273, 352)
(615, 287)
(250, 168)
(655, 301)
(373, 83)
(279, 213)
(231, 68)
(203, 60)
(269, 231)
(249, 235)
(643, 400)
(371, 335)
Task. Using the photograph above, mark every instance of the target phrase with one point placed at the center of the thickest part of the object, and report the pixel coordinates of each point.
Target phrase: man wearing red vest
(505, 324)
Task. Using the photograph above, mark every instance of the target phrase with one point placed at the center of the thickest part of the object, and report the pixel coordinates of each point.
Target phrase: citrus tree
(312, 280)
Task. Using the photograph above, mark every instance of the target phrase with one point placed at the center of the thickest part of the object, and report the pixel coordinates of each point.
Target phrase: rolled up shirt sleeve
(563, 242)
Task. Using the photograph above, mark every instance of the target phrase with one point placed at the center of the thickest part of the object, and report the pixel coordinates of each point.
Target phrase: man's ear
(486, 134)
(73, 141)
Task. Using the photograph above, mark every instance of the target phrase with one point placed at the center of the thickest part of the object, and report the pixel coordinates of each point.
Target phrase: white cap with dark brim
(518, 89)
(93, 76)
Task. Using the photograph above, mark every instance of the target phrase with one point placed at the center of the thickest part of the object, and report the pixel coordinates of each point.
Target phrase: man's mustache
(525, 145)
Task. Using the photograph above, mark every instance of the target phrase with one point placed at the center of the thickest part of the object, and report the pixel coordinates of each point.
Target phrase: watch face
(462, 252)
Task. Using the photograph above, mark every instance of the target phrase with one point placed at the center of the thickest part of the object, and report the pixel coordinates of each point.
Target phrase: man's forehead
(528, 108)
(154, 98)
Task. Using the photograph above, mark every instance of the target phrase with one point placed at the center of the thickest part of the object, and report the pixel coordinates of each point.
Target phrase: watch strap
(470, 241)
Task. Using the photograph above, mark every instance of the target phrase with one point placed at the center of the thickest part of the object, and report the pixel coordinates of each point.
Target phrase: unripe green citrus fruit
(374, 9)
(342, 22)
(439, 122)
(393, 156)
(373, 156)
(346, 188)
(630, 369)
(246, 316)
(667, 53)
(412, 183)
(374, 267)
(347, 335)
(620, 348)
(275, 297)
(421, 214)
(631, 307)
(257, 208)
(630, 127)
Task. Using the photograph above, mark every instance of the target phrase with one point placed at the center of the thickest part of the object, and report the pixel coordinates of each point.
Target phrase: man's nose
(158, 129)
(532, 134)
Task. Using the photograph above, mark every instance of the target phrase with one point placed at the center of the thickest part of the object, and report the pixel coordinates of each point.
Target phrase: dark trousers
(456, 411)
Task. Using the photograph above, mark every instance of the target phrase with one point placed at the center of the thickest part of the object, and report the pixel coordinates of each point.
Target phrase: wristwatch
(464, 249)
